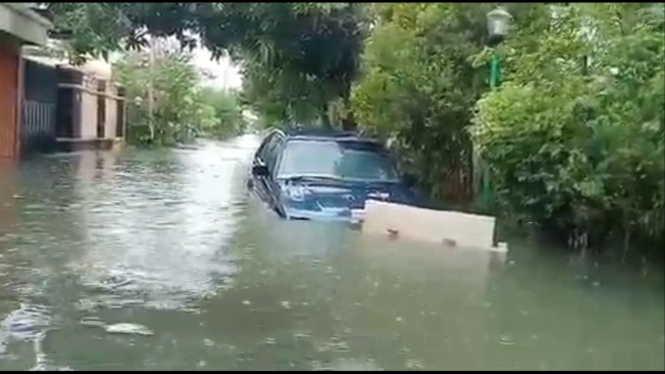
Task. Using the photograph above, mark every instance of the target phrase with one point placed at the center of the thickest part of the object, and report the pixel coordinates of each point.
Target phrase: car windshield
(349, 160)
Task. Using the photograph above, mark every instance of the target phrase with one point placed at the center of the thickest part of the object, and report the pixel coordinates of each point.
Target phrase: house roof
(24, 24)
(25, 10)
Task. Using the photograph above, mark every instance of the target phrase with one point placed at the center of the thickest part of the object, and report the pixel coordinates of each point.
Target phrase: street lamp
(498, 27)
(498, 24)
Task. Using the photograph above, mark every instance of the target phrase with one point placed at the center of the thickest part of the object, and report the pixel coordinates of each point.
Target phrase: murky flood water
(159, 260)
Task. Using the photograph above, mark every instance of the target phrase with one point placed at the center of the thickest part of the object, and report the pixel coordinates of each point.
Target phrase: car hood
(336, 200)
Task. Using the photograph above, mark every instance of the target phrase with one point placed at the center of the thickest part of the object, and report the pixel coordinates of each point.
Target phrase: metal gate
(38, 119)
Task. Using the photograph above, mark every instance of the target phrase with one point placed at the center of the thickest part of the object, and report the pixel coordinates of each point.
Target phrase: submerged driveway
(160, 260)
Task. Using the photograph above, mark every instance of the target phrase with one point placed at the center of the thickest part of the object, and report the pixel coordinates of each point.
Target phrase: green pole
(495, 81)
(495, 71)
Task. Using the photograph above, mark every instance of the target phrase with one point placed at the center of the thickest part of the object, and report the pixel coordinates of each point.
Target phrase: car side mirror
(410, 179)
(260, 171)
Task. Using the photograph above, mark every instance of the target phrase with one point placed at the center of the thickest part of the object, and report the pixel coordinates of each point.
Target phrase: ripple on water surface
(158, 260)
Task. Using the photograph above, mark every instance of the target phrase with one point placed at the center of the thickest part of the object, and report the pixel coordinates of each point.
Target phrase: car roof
(319, 134)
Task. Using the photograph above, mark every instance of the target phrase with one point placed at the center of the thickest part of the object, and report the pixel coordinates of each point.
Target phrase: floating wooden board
(428, 225)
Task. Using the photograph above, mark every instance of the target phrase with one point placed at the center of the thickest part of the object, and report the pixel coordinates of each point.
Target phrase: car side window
(264, 148)
(272, 149)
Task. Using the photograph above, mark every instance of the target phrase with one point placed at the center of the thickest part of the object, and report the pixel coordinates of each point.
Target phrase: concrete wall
(88, 115)
(89, 107)
(111, 112)
(9, 93)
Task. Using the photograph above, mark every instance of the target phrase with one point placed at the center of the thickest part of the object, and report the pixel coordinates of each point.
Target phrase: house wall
(18, 25)
(68, 123)
(89, 107)
(111, 112)
(121, 119)
(9, 93)
(88, 115)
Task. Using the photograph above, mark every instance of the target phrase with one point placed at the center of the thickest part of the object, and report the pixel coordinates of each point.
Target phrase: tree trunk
(626, 238)
(349, 124)
(349, 120)
(325, 118)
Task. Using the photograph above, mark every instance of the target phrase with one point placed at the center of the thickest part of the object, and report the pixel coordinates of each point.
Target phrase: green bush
(419, 86)
(575, 145)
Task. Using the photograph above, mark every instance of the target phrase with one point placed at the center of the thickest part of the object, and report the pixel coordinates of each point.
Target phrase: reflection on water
(158, 233)
(170, 242)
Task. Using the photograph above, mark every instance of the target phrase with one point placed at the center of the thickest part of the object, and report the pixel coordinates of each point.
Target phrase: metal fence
(38, 117)
(37, 125)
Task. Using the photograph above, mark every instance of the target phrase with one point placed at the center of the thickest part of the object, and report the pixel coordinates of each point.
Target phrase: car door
(265, 186)
(258, 184)
(272, 188)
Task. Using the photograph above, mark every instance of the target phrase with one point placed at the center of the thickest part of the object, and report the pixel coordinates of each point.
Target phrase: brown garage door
(8, 97)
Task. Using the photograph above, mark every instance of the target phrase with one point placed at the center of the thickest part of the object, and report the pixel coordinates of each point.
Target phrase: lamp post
(498, 26)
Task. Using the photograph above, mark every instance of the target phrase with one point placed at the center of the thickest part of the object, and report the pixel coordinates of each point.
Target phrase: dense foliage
(575, 137)
(227, 113)
(182, 108)
(298, 57)
(419, 84)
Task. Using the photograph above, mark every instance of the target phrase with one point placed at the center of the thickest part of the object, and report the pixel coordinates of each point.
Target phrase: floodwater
(160, 260)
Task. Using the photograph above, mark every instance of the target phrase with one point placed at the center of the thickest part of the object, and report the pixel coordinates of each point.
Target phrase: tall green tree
(178, 112)
(228, 113)
(286, 47)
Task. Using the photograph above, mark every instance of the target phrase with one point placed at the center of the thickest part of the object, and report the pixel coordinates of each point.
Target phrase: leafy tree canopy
(290, 48)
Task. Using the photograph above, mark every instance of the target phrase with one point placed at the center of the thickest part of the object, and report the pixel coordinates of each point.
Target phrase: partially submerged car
(326, 176)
